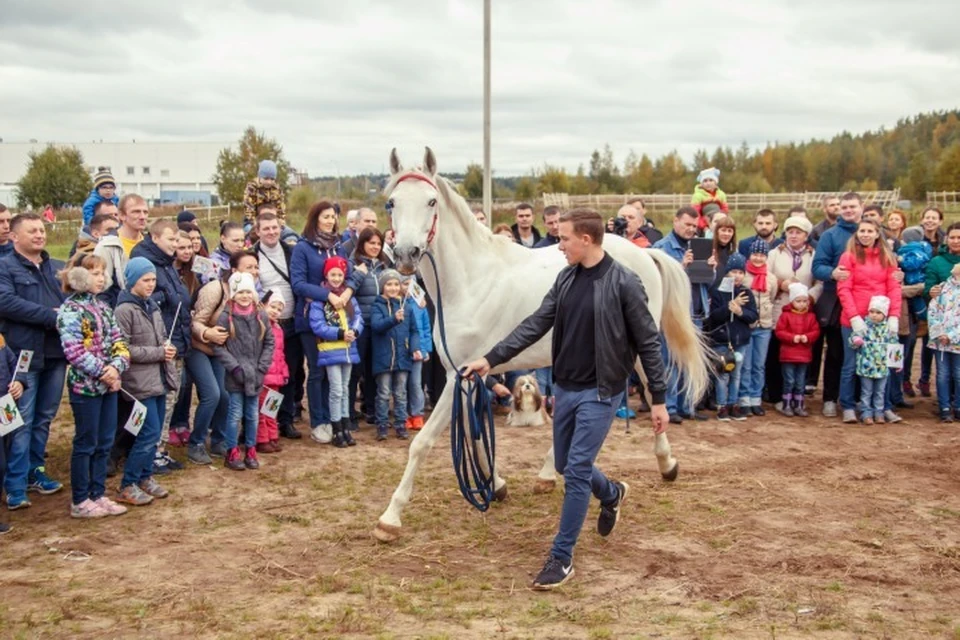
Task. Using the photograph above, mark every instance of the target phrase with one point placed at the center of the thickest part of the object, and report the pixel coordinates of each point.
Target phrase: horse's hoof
(544, 486)
(386, 532)
(500, 494)
(671, 475)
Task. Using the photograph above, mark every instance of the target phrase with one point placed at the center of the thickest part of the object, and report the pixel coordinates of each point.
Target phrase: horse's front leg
(388, 526)
(547, 478)
(499, 484)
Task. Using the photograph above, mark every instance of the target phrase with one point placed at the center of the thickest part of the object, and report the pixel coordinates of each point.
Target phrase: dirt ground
(776, 528)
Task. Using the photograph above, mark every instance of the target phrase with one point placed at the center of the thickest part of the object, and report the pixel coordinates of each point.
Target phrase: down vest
(149, 375)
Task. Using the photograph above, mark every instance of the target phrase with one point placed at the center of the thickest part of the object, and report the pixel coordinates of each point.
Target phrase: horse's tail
(688, 353)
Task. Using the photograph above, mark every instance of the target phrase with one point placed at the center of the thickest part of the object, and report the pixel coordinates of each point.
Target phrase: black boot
(347, 435)
(339, 441)
(290, 432)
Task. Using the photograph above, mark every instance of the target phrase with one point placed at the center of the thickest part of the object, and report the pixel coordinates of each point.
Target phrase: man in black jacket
(595, 308)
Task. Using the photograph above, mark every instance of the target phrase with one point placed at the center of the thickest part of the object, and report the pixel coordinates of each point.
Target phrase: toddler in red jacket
(268, 434)
(797, 330)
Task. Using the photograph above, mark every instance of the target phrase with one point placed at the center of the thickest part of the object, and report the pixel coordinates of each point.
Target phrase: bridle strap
(433, 224)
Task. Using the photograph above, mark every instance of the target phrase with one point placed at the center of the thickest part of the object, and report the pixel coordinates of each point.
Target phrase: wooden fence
(70, 218)
(944, 200)
(738, 201)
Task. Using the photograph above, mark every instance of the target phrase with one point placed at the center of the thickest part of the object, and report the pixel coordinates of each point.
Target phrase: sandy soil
(776, 528)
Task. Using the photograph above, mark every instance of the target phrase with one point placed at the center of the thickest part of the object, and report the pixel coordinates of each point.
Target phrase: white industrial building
(162, 172)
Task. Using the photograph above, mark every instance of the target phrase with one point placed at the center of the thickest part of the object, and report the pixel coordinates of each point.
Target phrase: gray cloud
(339, 84)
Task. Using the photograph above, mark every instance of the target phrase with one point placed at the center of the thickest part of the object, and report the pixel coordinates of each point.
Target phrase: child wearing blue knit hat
(264, 189)
(764, 287)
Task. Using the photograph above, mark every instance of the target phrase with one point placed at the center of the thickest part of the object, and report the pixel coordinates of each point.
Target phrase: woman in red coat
(866, 269)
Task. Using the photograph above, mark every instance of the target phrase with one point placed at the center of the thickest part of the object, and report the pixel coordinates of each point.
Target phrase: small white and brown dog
(528, 408)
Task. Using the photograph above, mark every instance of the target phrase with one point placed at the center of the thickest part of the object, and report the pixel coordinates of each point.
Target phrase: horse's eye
(432, 203)
(390, 204)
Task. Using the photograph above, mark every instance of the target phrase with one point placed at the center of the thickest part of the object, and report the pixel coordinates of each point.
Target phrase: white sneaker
(891, 416)
(849, 416)
(110, 507)
(322, 433)
(829, 409)
(87, 509)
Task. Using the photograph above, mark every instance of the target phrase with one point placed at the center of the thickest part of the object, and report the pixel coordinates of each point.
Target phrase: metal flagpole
(487, 178)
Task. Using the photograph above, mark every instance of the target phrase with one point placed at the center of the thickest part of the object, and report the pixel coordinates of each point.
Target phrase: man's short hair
(688, 211)
(265, 216)
(97, 208)
(764, 213)
(3, 207)
(586, 222)
(127, 199)
(266, 206)
(551, 210)
(97, 221)
(874, 207)
(633, 201)
(524, 205)
(851, 195)
(20, 218)
(159, 226)
(796, 209)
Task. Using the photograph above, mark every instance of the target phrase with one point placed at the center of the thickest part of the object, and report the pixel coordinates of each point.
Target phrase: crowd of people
(144, 321)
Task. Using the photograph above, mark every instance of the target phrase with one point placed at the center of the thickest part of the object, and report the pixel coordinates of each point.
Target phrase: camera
(620, 226)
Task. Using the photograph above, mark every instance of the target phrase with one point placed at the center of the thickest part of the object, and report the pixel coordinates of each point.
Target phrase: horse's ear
(395, 166)
(429, 161)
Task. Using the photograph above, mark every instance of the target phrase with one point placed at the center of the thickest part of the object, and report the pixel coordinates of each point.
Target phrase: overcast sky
(339, 83)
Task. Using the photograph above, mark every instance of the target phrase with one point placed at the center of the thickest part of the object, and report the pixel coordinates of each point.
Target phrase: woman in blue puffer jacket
(371, 261)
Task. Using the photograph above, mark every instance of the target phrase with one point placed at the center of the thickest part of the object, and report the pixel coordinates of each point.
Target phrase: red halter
(433, 224)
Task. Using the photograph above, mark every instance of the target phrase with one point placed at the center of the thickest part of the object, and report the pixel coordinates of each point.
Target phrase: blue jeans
(243, 410)
(848, 393)
(676, 400)
(926, 360)
(38, 406)
(794, 379)
(181, 411)
(544, 380)
(415, 398)
(339, 376)
(580, 425)
(95, 420)
(948, 380)
(872, 396)
(392, 383)
(728, 383)
(211, 415)
(754, 368)
(139, 465)
(318, 386)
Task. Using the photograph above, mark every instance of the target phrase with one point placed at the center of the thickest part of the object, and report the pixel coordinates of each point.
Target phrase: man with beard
(765, 224)
(831, 211)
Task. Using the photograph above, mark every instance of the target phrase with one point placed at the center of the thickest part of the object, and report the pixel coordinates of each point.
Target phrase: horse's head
(414, 211)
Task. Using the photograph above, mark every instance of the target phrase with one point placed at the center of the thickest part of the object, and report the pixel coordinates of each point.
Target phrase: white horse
(489, 286)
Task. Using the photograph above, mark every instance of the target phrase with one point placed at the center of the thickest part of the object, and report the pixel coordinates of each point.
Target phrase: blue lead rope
(471, 421)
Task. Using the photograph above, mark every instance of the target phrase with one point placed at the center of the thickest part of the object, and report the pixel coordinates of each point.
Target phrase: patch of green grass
(943, 512)
(835, 586)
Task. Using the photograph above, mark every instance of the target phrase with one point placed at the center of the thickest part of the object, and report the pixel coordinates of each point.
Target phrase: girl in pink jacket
(268, 434)
(866, 269)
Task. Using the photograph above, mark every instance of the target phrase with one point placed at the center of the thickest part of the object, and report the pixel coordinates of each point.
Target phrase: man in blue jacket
(830, 247)
(676, 244)
(30, 296)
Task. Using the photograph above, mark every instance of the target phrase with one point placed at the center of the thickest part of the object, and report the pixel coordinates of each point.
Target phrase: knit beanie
(137, 268)
(880, 303)
(798, 222)
(712, 172)
(798, 290)
(759, 246)
(242, 282)
(388, 275)
(710, 209)
(334, 262)
(736, 261)
(186, 216)
(267, 169)
(103, 177)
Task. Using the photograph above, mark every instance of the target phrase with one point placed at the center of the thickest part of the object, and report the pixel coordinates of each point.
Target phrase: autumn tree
(236, 168)
(54, 176)
(472, 184)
